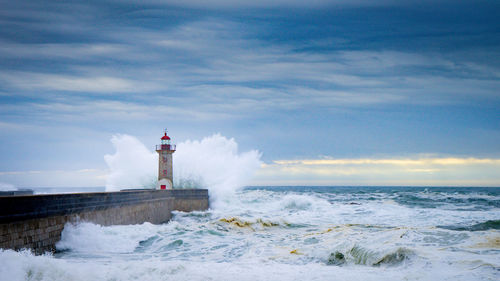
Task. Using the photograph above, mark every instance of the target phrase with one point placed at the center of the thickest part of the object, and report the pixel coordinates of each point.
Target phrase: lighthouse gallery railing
(165, 147)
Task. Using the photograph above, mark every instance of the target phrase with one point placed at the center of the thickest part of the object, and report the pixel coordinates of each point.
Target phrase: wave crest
(360, 255)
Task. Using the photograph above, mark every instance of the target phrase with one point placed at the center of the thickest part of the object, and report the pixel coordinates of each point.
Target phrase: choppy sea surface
(290, 233)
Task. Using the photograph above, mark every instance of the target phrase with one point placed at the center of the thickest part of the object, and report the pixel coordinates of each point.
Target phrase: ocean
(289, 233)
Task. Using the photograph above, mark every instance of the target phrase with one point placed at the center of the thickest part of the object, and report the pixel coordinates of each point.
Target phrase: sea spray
(132, 165)
(213, 163)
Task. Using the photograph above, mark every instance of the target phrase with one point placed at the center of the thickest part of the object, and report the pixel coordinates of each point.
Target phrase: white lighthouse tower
(165, 151)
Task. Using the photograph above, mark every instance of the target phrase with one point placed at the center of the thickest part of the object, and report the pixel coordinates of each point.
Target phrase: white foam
(91, 238)
(24, 266)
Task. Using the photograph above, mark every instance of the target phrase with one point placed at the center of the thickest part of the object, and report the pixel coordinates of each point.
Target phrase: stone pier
(36, 221)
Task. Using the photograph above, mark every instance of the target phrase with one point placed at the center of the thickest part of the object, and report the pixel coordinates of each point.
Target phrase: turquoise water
(290, 233)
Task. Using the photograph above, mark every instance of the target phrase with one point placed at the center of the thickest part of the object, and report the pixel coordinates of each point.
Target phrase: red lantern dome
(165, 141)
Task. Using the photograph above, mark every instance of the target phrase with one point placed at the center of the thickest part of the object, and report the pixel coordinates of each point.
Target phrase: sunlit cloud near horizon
(417, 171)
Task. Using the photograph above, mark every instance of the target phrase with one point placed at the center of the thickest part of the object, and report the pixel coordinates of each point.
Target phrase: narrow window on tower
(164, 172)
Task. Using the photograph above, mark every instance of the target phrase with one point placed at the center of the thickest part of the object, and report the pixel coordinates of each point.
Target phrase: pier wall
(37, 221)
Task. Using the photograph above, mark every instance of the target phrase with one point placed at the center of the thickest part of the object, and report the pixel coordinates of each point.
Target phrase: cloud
(395, 162)
(55, 178)
(380, 171)
(7, 187)
(212, 61)
(233, 4)
(57, 82)
(73, 51)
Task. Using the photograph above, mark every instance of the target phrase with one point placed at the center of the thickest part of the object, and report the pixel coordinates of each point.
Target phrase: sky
(329, 92)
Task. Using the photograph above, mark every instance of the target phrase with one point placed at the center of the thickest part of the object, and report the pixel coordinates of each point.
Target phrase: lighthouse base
(164, 184)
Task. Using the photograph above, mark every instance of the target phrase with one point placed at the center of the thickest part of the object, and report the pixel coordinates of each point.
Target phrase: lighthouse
(165, 151)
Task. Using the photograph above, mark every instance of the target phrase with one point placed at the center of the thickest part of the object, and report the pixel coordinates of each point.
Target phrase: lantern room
(165, 143)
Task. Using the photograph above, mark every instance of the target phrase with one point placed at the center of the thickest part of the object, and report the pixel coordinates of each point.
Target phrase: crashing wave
(487, 225)
(362, 256)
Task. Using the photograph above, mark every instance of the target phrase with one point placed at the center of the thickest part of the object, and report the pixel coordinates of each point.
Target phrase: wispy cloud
(232, 4)
(214, 55)
(96, 111)
(55, 178)
(73, 51)
(55, 82)
(395, 162)
(380, 171)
